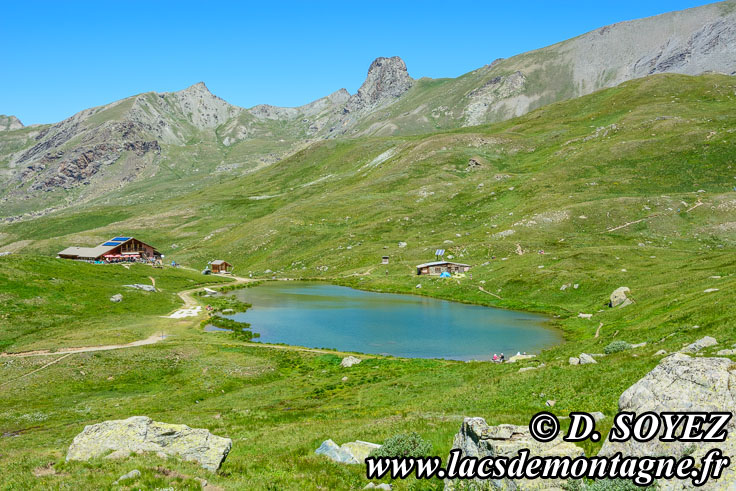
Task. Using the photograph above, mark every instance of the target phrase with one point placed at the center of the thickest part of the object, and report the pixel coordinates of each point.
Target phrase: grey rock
(142, 434)
(384, 486)
(574, 360)
(726, 352)
(349, 361)
(9, 123)
(619, 297)
(139, 286)
(698, 345)
(130, 475)
(683, 383)
(586, 359)
(660, 352)
(360, 450)
(386, 81)
(598, 416)
(116, 298)
(477, 439)
(639, 345)
(333, 452)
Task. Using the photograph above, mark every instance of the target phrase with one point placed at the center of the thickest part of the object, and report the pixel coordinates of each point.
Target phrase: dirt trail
(36, 370)
(85, 349)
(186, 296)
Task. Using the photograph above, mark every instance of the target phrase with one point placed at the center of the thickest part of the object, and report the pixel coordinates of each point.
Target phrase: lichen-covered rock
(334, 452)
(619, 298)
(477, 439)
(359, 449)
(701, 343)
(142, 434)
(349, 361)
(683, 383)
(586, 359)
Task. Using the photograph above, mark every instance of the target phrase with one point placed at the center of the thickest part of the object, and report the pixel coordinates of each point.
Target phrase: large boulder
(142, 434)
(477, 439)
(332, 451)
(586, 359)
(619, 297)
(349, 361)
(683, 383)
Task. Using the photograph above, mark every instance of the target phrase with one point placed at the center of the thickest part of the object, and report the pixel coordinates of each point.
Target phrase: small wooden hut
(220, 266)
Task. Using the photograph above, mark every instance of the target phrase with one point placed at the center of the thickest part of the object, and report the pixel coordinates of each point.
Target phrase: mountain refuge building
(117, 248)
(436, 268)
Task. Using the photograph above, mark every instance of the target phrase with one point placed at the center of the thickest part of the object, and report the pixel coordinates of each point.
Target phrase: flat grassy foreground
(278, 405)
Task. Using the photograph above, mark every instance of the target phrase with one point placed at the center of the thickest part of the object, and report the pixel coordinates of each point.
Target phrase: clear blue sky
(61, 57)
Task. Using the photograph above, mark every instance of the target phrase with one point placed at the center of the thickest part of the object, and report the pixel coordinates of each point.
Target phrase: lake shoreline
(299, 313)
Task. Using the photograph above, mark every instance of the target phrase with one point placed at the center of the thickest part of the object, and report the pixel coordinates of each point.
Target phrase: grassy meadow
(631, 186)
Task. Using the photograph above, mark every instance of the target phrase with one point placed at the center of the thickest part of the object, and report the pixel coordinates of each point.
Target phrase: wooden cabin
(117, 248)
(220, 266)
(436, 268)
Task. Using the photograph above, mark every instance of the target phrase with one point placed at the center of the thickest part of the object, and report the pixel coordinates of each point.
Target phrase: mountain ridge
(192, 135)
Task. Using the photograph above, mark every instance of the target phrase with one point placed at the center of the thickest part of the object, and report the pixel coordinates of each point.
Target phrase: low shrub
(404, 445)
(616, 346)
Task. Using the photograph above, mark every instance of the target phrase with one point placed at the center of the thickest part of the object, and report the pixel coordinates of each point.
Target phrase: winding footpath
(191, 308)
(190, 305)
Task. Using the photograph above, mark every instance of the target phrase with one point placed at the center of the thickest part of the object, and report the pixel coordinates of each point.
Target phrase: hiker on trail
(503, 358)
(495, 358)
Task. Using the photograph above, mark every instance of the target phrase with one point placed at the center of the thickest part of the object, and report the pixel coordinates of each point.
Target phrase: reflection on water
(327, 316)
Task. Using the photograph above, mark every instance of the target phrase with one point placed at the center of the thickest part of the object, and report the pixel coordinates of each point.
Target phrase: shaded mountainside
(188, 139)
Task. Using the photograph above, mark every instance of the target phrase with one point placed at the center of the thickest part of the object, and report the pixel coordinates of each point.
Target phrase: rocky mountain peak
(8, 123)
(387, 80)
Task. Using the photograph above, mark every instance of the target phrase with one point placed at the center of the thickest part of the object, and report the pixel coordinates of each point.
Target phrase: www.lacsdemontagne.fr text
(642, 471)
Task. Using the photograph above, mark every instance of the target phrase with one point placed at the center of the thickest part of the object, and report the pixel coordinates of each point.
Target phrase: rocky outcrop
(619, 297)
(8, 123)
(348, 453)
(688, 384)
(490, 97)
(477, 439)
(349, 361)
(141, 434)
(387, 80)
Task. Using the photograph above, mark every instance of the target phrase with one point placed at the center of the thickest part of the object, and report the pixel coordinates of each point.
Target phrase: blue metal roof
(112, 243)
(120, 239)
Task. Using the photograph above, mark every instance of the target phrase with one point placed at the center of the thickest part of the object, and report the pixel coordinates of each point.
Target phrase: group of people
(502, 358)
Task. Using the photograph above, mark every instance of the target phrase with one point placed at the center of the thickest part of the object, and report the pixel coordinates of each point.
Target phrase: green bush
(404, 445)
(616, 346)
(615, 485)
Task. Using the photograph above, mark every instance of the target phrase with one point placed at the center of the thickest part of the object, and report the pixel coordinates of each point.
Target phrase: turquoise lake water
(318, 315)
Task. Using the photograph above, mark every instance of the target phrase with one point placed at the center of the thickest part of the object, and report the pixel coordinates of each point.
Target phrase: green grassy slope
(54, 303)
(563, 178)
